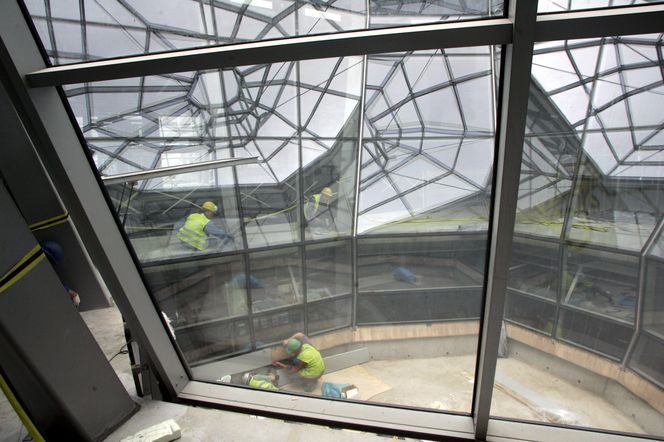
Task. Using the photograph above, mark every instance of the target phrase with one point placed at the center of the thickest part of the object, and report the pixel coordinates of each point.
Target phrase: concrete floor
(444, 383)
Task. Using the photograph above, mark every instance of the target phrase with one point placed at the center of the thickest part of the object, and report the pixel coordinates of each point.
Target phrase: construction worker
(54, 253)
(306, 361)
(198, 227)
(265, 382)
(314, 202)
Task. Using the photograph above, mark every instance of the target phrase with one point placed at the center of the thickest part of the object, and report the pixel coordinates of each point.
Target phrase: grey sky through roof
(428, 127)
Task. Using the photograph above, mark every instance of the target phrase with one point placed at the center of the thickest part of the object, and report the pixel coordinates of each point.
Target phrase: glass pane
(648, 358)
(275, 279)
(428, 141)
(601, 282)
(530, 312)
(329, 314)
(329, 271)
(406, 264)
(653, 303)
(205, 342)
(590, 199)
(534, 268)
(594, 333)
(141, 27)
(273, 327)
(576, 5)
(197, 291)
(439, 278)
(414, 12)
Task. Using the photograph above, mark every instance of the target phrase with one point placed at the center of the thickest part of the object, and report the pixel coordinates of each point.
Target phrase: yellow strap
(21, 268)
(20, 411)
(47, 223)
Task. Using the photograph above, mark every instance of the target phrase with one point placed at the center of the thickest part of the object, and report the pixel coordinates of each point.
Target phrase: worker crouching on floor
(306, 361)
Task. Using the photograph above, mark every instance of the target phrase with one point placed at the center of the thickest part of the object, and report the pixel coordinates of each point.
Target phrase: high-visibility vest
(253, 382)
(315, 367)
(193, 233)
(316, 197)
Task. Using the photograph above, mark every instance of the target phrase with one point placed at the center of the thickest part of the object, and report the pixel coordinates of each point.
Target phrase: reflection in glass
(653, 305)
(611, 339)
(577, 5)
(271, 328)
(428, 143)
(329, 314)
(533, 269)
(173, 223)
(198, 297)
(578, 308)
(329, 271)
(438, 277)
(601, 283)
(648, 356)
(275, 279)
(75, 32)
(620, 214)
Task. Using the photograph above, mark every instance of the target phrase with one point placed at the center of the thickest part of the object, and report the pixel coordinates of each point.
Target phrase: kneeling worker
(198, 227)
(306, 361)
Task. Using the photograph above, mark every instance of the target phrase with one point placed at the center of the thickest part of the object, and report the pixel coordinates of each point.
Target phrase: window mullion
(515, 83)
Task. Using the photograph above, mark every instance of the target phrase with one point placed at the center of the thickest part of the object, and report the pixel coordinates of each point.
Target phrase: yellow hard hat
(327, 191)
(209, 205)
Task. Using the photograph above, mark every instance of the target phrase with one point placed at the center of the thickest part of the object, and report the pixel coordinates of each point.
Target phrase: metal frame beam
(62, 152)
(406, 38)
(600, 23)
(175, 170)
(512, 123)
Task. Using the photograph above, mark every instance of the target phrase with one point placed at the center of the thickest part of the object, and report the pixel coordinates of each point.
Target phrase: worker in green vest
(265, 382)
(196, 230)
(306, 360)
(316, 202)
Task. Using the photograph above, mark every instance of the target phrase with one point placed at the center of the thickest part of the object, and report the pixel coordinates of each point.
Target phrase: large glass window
(360, 216)
(589, 202)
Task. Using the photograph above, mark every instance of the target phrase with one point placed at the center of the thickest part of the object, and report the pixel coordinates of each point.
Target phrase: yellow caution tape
(20, 411)
(48, 223)
(21, 268)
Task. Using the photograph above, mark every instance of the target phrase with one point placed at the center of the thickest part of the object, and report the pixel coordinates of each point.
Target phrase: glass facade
(364, 217)
(583, 269)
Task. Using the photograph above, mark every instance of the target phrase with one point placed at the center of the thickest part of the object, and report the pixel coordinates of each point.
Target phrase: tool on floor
(163, 432)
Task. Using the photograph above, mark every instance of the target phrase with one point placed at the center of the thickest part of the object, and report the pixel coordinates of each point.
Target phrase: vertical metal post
(358, 170)
(60, 149)
(513, 107)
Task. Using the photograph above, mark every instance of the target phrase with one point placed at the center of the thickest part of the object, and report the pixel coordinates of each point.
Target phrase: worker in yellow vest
(306, 360)
(317, 201)
(265, 382)
(198, 227)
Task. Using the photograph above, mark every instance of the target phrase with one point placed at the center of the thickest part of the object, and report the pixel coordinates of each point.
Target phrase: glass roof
(78, 30)
(258, 111)
(610, 92)
(577, 5)
(428, 127)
